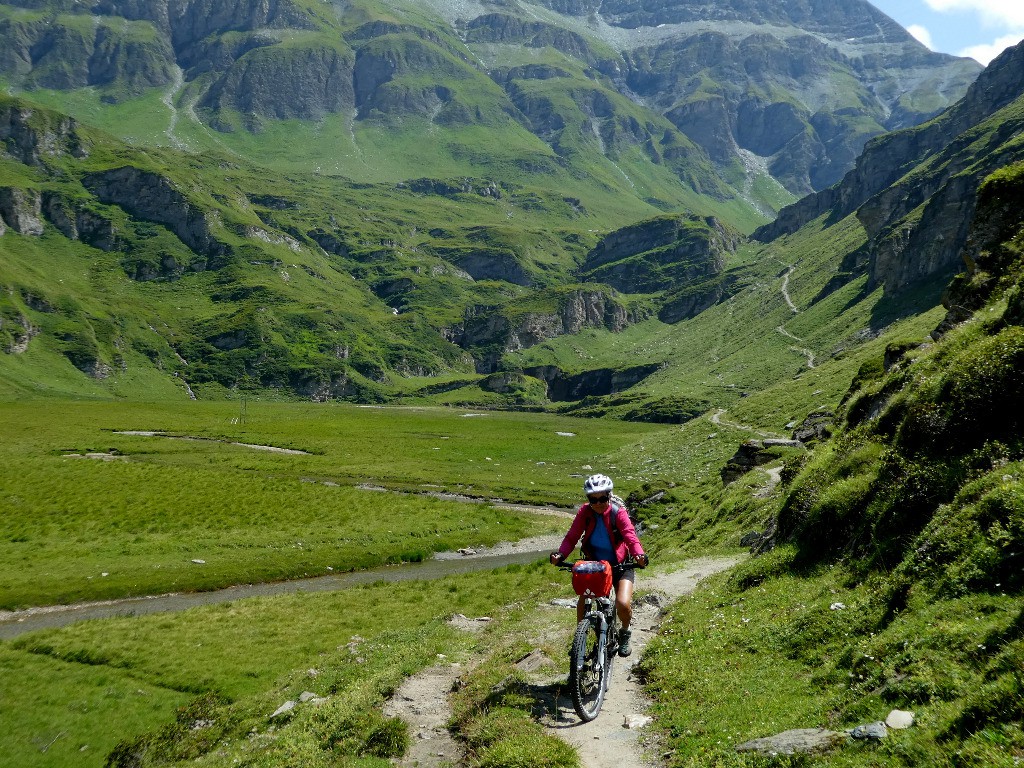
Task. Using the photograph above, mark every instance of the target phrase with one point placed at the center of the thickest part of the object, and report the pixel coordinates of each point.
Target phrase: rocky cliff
(151, 197)
(489, 333)
(682, 255)
(913, 190)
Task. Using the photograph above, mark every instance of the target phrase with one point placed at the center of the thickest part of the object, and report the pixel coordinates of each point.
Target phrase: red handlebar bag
(592, 578)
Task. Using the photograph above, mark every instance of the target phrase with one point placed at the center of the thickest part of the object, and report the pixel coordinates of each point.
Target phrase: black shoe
(624, 647)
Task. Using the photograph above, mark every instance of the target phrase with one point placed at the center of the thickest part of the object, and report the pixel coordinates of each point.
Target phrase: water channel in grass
(15, 623)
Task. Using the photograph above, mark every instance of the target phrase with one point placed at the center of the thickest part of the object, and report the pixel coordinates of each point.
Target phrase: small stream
(15, 623)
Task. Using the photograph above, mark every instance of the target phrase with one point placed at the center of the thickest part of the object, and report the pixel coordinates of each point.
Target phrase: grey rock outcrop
(21, 209)
(683, 256)
(490, 332)
(79, 223)
(916, 212)
(306, 83)
(818, 425)
(796, 741)
(151, 197)
(754, 453)
(870, 731)
(593, 383)
(29, 135)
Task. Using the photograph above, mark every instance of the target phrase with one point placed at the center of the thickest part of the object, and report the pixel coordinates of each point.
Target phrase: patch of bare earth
(422, 702)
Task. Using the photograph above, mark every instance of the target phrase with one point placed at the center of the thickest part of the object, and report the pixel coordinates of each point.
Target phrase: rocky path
(809, 354)
(422, 702)
(613, 740)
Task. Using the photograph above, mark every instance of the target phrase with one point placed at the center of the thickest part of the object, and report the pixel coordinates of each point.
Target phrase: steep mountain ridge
(760, 94)
(913, 190)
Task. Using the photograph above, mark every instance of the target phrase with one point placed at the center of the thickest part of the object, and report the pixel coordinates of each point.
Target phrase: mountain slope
(913, 190)
(730, 98)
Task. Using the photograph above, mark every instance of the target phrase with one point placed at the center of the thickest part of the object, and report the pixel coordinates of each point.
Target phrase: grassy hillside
(893, 576)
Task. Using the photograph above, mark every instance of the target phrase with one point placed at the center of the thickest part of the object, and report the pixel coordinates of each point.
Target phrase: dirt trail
(785, 289)
(718, 421)
(607, 742)
(422, 701)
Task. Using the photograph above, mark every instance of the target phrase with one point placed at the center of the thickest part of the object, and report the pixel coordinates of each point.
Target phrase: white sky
(981, 29)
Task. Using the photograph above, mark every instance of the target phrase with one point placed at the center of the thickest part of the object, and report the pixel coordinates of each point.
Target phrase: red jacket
(622, 533)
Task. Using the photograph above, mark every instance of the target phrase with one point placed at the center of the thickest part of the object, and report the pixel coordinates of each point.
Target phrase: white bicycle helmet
(597, 484)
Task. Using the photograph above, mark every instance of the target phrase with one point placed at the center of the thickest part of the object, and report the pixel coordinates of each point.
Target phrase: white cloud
(1002, 13)
(988, 51)
(922, 35)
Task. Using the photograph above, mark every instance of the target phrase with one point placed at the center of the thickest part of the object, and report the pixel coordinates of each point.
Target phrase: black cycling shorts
(620, 572)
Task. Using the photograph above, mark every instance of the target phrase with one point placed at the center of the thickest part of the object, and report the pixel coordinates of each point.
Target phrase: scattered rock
(899, 719)
(307, 696)
(199, 562)
(800, 740)
(870, 731)
(634, 722)
(754, 453)
(563, 602)
(533, 661)
(658, 601)
(466, 551)
(463, 622)
(288, 706)
(817, 426)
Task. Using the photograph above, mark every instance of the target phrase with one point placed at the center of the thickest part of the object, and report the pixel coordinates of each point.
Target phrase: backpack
(617, 504)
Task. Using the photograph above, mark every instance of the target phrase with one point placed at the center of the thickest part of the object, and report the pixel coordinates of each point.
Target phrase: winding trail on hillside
(718, 421)
(785, 289)
(809, 354)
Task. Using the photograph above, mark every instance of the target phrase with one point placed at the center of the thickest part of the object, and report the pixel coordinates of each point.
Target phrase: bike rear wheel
(587, 671)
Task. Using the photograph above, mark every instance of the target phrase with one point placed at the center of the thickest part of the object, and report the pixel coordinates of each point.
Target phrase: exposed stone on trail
(634, 722)
(796, 741)
(534, 661)
(422, 702)
(466, 624)
(563, 602)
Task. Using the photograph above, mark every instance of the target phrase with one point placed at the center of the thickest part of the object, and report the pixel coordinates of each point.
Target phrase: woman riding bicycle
(608, 534)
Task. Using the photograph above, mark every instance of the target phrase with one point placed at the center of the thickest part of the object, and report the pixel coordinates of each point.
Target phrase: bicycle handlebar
(567, 566)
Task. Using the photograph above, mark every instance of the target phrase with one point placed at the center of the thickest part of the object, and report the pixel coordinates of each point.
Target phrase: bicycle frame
(594, 648)
(602, 616)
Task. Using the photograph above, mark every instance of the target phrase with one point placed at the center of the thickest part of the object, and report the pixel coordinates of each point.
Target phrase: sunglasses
(598, 499)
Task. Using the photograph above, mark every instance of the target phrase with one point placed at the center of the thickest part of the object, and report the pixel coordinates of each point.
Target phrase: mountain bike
(594, 647)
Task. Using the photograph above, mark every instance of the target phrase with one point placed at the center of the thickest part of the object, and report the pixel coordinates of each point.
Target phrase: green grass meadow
(95, 514)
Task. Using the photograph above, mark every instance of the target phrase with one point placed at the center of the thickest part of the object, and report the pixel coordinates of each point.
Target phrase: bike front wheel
(587, 671)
